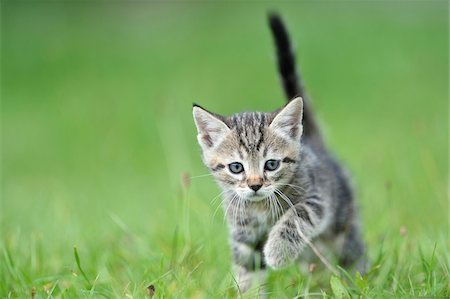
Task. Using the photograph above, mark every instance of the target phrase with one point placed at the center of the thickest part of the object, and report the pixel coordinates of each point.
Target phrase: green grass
(97, 133)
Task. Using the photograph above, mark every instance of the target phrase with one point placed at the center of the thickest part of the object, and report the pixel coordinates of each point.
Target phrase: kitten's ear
(288, 121)
(210, 129)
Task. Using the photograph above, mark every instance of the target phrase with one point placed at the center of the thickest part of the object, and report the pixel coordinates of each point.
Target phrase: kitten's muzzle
(254, 182)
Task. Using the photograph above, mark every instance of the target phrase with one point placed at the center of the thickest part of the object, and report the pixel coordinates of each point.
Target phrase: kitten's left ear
(211, 130)
(288, 121)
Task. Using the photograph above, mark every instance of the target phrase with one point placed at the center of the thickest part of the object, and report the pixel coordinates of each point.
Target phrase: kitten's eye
(272, 165)
(236, 167)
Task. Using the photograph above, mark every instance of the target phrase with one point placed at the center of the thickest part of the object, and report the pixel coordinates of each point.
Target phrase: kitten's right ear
(211, 130)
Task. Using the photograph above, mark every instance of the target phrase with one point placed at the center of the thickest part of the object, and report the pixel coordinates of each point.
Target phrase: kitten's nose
(254, 182)
(255, 187)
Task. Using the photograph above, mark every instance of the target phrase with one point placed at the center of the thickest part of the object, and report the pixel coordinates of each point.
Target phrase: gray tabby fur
(307, 196)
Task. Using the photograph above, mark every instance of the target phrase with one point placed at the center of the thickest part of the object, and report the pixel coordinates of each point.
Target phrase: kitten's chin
(256, 197)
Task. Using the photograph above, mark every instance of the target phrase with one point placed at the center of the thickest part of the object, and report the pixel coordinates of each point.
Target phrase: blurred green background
(97, 131)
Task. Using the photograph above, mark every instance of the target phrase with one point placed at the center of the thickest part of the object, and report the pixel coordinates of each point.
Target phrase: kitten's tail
(292, 83)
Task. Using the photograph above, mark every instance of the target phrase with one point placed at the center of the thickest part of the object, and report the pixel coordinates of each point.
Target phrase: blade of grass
(77, 260)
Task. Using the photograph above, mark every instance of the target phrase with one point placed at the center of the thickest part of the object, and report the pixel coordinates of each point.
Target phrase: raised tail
(291, 80)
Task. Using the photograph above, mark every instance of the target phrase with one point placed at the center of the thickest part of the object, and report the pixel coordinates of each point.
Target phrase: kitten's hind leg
(353, 252)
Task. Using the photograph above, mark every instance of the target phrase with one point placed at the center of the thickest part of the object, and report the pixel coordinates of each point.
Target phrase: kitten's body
(281, 184)
(320, 192)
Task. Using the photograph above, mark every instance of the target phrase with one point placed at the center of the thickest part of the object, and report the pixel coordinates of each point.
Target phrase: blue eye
(236, 167)
(272, 165)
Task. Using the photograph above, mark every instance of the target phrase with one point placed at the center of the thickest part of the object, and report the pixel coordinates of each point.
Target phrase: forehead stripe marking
(218, 167)
(261, 132)
(265, 151)
(239, 133)
(240, 154)
(288, 160)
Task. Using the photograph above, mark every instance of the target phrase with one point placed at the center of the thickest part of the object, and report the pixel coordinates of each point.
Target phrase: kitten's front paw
(280, 250)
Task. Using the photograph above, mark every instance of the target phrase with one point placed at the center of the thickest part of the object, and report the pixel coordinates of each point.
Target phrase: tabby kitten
(281, 185)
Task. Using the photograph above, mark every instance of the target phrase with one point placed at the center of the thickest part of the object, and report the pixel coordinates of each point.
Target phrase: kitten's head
(251, 154)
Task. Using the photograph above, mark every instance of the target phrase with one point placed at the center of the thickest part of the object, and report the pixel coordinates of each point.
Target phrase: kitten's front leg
(285, 242)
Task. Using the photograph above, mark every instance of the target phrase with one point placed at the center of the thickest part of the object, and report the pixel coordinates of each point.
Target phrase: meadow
(103, 192)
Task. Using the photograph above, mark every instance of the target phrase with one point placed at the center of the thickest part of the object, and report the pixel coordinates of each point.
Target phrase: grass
(97, 135)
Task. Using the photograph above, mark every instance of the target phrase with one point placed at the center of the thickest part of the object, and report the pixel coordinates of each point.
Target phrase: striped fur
(305, 193)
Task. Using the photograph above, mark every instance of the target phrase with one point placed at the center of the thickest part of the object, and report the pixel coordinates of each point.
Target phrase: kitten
(281, 185)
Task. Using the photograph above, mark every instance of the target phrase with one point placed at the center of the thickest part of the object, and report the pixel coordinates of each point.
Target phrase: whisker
(272, 208)
(218, 195)
(218, 206)
(285, 198)
(229, 205)
(236, 211)
(299, 189)
(200, 176)
(279, 207)
(221, 202)
(275, 208)
(266, 201)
